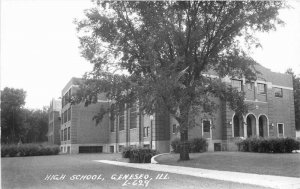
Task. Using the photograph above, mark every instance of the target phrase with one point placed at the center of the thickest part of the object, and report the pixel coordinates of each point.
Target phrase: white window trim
(282, 129)
(282, 87)
(210, 133)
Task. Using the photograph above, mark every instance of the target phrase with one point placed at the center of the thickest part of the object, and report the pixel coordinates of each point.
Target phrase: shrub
(253, 144)
(126, 152)
(198, 145)
(138, 155)
(141, 155)
(10, 150)
(28, 150)
(4, 151)
(270, 145)
(291, 144)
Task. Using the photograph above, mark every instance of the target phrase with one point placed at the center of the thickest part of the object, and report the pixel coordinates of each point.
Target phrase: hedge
(13, 150)
(268, 145)
(194, 145)
(138, 155)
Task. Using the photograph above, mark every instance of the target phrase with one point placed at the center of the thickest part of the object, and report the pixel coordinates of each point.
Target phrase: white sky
(39, 46)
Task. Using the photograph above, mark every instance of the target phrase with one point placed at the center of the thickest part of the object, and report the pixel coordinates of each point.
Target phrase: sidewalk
(237, 177)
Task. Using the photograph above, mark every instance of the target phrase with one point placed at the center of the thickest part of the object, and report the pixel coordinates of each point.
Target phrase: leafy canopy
(163, 54)
(296, 87)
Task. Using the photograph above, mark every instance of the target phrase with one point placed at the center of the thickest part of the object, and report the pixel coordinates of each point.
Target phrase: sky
(40, 54)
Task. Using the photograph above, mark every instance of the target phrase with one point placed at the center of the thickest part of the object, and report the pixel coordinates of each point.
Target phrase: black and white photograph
(150, 94)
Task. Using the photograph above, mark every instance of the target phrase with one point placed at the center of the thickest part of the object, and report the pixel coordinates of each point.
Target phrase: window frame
(209, 125)
(65, 134)
(210, 130)
(112, 125)
(265, 89)
(240, 88)
(122, 118)
(281, 90)
(282, 129)
(133, 116)
(146, 132)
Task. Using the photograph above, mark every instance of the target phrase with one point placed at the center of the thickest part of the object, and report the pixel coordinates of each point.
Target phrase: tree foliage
(162, 54)
(296, 86)
(12, 102)
(19, 123)
(36, 124)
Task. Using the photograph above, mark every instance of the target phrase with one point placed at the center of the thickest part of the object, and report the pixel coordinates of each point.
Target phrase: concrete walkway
(238, 177)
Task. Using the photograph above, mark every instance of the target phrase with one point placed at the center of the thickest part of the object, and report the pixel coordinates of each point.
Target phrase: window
(62, 135)
(146, 131)
(64, 116)
(69, 114)
(122, 123)
(280, 129)
(133, 118)
(261, 88)
(65, 134)
(250, 86)
(236, 125)
(206, 126)
(174, 128)
(69, 133)
(112, 125)
(278, 92)
(237, 84)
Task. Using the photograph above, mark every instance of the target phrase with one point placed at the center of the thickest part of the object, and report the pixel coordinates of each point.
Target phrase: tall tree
(161, 54)
(12, 102)
(296, 86)
(36, 125)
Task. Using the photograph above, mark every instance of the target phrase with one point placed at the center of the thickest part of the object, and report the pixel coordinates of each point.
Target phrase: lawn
(31, 173)
(259, 163)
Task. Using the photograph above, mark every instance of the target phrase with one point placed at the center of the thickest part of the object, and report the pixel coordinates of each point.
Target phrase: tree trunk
(184, 146)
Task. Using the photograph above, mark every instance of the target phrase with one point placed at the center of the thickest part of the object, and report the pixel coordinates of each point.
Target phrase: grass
(30, 172)
(259, 163)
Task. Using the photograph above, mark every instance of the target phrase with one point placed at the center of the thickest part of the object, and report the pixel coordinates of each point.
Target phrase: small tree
(161, 53)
